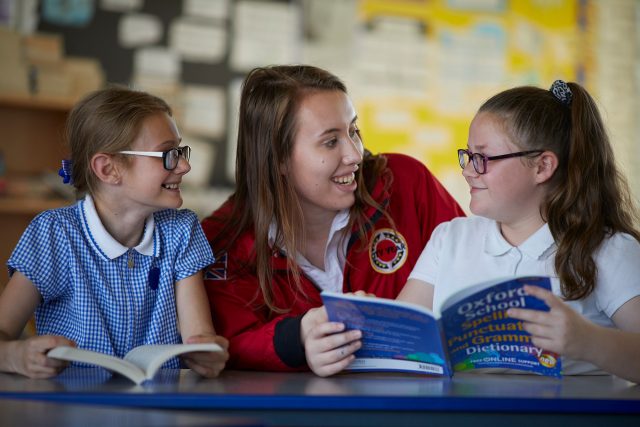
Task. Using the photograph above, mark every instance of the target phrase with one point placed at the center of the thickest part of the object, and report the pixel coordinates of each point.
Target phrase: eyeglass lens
(172, 157)
(477, 159)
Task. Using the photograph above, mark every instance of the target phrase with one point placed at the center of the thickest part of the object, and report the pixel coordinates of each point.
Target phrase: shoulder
(214, 223)
(413, 179)
(464, 228)
(619, 245)
(618, 279)
(54, 219)
(403, 165)
(175, 217)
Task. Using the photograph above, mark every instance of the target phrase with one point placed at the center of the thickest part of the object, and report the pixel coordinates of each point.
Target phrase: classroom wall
(417, 69)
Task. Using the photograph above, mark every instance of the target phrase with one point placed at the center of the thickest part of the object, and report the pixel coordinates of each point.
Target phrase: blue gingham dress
(101, 294)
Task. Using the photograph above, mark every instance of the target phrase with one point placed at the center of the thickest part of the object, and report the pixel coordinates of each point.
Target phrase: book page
(149, 358)
(106, 361)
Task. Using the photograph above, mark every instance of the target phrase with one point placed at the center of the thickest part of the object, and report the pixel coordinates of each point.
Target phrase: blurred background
(417, 71)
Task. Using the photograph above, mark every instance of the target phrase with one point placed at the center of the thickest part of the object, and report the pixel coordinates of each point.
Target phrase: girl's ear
(546, 165)
(106, 169)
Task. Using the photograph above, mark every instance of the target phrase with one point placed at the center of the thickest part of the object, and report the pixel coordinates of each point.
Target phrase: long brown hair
(588, 198)
(267, 126)
(107, 120)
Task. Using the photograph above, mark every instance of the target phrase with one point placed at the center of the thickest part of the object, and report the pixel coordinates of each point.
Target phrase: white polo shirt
(466, 251)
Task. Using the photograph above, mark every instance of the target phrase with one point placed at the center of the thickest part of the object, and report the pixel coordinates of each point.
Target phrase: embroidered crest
(388, 251)
(217, 270)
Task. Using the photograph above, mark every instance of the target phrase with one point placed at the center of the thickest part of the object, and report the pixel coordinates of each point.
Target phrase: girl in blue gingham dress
(122, 267)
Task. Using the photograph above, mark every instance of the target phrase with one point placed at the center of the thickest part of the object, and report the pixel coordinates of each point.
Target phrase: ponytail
(591, 202)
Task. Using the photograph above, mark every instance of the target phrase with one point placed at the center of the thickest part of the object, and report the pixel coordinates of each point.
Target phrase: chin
(175, 204)
(477, 209)
(348, 203)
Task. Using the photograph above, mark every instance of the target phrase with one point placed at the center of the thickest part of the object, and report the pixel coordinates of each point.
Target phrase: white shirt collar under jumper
(335, 254)
(105, 244)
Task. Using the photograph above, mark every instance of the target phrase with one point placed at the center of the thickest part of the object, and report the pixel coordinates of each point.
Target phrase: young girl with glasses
(549, 200)
(121, 267)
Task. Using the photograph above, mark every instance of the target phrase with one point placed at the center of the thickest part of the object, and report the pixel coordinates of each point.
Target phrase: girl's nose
(469, 170)
(183, 166)
(353, 151)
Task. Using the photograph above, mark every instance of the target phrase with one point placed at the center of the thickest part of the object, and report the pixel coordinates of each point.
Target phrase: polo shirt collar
(104, 243)
(538, 245)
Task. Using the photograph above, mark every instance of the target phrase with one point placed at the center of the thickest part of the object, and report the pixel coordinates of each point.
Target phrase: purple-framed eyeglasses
(479, 161)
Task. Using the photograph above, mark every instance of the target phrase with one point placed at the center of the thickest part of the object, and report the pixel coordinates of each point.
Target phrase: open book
(472, 332)
(138, 365)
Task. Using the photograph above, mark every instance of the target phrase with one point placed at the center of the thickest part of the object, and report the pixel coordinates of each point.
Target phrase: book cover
(480, 335)
(395, 335)
(473, 331)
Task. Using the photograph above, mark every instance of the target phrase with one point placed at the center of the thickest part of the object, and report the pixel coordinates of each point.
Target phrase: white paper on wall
(138, 29)
(198, 40)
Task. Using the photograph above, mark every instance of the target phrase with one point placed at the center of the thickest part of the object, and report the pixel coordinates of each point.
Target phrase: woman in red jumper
(312, 210)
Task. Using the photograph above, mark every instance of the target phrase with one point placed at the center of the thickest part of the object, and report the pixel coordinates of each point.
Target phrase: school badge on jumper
(388, 251)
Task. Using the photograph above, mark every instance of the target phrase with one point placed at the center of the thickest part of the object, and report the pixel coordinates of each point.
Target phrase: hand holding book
(209, 364)
(472, 332)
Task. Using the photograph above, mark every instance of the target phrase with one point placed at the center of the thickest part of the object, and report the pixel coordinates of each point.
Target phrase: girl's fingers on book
(338, 340)
(208, 370)
(208, 338)
(333, 367)
(364, 294)
(31, 361)
(347, 349)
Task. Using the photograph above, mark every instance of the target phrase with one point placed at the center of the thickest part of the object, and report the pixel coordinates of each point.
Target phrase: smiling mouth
(344, 180)
(171, 186)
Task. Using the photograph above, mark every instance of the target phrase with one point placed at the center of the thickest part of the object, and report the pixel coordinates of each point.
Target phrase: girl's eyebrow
(168, 144)
(332, 130)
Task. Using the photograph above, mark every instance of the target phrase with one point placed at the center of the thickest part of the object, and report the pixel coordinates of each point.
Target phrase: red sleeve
(250, 334)
(258, 338)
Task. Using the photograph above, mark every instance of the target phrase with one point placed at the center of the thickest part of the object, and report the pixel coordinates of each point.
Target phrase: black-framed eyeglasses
(170, 158)
(479, 161)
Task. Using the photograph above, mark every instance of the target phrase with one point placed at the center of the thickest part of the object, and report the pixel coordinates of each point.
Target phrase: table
(363, 399)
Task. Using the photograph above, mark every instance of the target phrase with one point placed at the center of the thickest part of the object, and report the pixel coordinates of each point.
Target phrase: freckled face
(147, 185)
(508, 191)
(326, 153)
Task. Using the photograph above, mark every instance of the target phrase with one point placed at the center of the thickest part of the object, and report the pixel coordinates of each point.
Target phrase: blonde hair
(107, 120)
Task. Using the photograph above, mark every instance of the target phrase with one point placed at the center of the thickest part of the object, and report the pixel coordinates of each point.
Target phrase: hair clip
(561, 91)
(65, 172)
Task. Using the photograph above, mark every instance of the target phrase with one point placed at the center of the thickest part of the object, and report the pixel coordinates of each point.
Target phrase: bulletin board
(427, 66)
(416, 69)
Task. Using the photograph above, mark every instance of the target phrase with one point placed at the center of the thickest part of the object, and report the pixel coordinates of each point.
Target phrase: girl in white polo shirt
(123, 265)
(550, 201)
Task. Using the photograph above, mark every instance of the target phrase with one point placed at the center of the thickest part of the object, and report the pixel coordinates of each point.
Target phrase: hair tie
(561, 91)
(65, 172)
